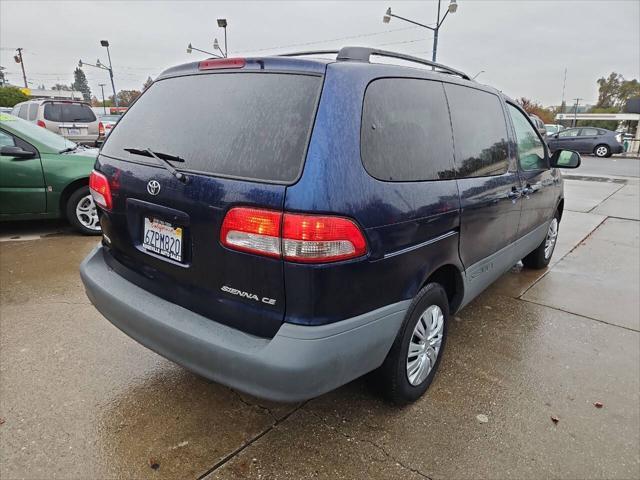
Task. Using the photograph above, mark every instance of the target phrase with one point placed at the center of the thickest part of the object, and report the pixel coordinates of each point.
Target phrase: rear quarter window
(479, 132)
(406, 132)
(253, 126)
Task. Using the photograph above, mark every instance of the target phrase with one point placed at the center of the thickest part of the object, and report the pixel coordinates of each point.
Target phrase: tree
(535, 108)
(3, 79)
(147, 84)
(614, 91)
(9, 96)
(126, 97)
(60, 86)
(608, 124)
(80, 84)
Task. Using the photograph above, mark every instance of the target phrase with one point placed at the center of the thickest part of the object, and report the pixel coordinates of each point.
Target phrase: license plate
(162, 238)
(73, 131)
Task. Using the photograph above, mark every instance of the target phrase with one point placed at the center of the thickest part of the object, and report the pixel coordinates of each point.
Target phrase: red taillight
(100, 190)
(252, 230)
(294, 237)
(100, 129)
(219, 63)
(41, 123)
(315, 238)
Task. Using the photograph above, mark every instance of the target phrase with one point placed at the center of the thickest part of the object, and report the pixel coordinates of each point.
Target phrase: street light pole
(104, 108)
(222, 23)
(453, 7)
(190, 48)
(105, 43)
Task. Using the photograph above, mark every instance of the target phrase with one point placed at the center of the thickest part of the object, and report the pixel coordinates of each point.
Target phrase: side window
(33, 111)
(406, 133)
(589, 132)
(530, 148)
(23, 113)
(569, 133)
(479, 132)
(6, 140)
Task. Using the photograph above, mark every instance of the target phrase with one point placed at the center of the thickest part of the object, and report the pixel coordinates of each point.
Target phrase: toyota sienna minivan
(283, 225)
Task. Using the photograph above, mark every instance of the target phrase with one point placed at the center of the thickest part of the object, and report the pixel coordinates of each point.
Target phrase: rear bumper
(617, 149)
(298, 363)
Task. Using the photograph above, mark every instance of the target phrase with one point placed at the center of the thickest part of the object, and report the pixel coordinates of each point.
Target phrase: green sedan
(44, 175)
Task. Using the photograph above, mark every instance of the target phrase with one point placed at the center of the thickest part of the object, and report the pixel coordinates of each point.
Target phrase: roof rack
(363, 54)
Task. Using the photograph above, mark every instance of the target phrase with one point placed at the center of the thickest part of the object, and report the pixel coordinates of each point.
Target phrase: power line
(350, 37)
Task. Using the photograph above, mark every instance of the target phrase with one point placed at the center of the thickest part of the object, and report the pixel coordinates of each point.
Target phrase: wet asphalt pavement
(79, 399)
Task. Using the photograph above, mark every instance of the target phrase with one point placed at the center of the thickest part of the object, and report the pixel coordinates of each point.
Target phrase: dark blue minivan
(284, 225)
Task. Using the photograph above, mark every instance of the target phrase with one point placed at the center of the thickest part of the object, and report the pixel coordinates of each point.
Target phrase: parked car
(44, 175)
(284, 225)
(105, 124)
(73, 119)
(539, 124)
(598, 141)
(553, 128)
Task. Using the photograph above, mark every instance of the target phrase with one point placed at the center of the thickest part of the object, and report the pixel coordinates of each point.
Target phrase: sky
(523, 47)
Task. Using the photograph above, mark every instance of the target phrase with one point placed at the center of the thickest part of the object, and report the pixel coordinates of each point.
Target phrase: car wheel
(541, 256)
(415, 355)
(602, 151)
(82, 212)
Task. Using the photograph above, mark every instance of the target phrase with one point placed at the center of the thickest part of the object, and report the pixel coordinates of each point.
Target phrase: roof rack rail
(363, 54)
(310, 52)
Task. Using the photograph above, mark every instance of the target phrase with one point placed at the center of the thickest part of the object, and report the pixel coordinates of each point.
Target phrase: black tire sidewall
(71, 211)
(401, 391)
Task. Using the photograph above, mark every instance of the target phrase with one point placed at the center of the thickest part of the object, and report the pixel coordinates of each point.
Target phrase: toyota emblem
(153, 187)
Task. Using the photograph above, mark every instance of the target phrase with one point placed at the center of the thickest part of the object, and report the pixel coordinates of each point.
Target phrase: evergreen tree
(80, 84)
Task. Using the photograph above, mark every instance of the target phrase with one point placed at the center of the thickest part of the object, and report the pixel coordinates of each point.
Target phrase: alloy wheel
(424, 345)
(552, 236)
(87, 213)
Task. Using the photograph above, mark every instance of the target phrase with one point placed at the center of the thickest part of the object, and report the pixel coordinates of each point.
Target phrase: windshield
(243, 125)
(551, 128)
(68, 112)
(32, 132)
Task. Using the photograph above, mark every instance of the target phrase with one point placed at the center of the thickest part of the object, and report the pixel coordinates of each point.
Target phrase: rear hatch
(239, 137)
(72, 119)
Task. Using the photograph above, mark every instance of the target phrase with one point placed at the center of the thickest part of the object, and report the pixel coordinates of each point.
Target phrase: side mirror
(16, 152)
(565, 159)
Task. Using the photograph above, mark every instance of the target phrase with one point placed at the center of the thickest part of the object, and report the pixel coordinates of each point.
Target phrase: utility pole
(104, 109)
(564, 84)
(575, 111)
(18, 59)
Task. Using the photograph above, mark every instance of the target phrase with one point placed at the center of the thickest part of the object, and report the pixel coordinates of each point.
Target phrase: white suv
(72, 119)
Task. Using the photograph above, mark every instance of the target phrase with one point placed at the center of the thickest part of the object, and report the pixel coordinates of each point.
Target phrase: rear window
(68, 112)
(253, 126)
(479, 132)
(406, 132)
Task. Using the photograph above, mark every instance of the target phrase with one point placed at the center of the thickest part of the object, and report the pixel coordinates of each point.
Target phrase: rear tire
(82, 212)
(602, 151)
(400, 377)
(541, 256)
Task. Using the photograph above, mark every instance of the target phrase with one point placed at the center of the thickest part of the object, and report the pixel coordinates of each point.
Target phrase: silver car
(73, 119)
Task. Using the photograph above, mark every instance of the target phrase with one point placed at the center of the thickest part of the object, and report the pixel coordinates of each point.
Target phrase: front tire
(82, 212)
(417, 350)
(541, 256)
(602, 151)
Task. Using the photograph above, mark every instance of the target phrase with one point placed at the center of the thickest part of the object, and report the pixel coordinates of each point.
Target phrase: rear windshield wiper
(163, 159)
